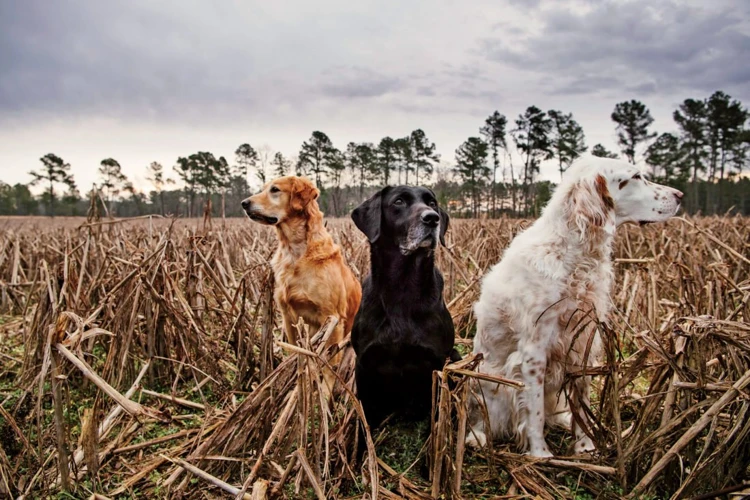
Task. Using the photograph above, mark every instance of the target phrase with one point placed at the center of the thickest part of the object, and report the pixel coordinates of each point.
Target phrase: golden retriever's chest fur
(292, 289)
(313, 280)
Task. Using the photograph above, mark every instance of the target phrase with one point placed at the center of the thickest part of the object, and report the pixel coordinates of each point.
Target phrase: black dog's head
(403, 216)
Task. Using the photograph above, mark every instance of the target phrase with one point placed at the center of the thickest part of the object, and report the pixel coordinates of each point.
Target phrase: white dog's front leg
(533, 370)
(581, 390)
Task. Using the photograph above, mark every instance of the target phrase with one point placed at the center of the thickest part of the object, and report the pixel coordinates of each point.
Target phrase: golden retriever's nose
(246, 203)
(430, 217)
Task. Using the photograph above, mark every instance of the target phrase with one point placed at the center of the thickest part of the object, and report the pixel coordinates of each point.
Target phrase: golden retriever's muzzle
(255, 214)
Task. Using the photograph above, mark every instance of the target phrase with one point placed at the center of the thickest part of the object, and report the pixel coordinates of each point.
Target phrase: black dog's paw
(455, 355)
(424, 468)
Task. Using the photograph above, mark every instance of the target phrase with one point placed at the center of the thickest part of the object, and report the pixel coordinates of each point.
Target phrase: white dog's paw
(562, 419)
(476, 439)
(539, 453)
(584, 445)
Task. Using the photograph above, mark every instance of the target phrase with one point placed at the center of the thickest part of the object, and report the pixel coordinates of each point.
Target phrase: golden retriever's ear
(592, 205)
(367, 216)
(303, 192)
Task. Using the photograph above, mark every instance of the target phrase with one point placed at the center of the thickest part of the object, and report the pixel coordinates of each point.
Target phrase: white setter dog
(539, 307)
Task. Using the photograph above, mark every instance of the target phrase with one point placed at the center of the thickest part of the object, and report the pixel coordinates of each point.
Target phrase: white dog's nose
(678, 194)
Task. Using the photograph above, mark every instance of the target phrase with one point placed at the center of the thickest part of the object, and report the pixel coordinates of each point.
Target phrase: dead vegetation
(141, 359)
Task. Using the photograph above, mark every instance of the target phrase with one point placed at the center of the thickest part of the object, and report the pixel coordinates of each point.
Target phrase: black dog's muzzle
(430, 218)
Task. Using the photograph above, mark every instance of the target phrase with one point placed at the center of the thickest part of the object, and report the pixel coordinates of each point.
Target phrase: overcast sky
(144, 81)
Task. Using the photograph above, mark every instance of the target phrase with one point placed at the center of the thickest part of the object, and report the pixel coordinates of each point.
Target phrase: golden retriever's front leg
(329, 376)
(290, 320)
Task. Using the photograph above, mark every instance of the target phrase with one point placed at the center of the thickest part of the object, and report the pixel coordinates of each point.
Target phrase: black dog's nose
(430, 217)
(246, 204)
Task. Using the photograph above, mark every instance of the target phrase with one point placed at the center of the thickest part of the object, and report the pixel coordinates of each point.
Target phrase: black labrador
(403, 330)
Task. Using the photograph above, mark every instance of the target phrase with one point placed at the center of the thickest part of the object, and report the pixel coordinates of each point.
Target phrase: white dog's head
(602, 190)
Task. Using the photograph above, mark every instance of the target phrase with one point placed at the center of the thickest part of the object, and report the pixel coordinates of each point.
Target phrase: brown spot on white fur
(517, 323)
(603, 190)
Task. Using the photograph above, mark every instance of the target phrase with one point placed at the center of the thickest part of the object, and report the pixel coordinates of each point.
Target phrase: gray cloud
(142, 59)
(143, 80)
(356, 82)
(673, 46)
(587, 84)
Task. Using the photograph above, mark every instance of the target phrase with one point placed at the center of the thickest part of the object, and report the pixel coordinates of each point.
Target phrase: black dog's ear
(367, 216)
(444, 220)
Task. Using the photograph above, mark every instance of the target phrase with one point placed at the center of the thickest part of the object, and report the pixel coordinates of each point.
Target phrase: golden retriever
(312, 279)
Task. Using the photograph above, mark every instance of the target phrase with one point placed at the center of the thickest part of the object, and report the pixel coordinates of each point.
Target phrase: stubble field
(145, 352)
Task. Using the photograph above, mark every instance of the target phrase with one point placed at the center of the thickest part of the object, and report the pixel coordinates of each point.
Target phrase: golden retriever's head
(281, 199)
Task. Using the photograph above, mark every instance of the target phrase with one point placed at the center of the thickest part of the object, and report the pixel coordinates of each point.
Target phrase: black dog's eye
(432, 204)
(398, 202)
(274, 189)
(637, 176)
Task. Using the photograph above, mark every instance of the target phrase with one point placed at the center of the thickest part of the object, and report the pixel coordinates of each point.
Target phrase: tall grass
(143, 358)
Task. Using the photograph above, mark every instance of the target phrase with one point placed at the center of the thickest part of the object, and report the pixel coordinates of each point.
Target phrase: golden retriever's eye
(637, 177)
(274, 189)
(399, 202)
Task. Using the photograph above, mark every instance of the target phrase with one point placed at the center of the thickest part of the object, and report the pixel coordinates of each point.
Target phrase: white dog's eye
(637, 176)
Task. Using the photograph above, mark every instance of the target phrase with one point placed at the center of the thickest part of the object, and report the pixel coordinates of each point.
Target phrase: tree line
(492, 173)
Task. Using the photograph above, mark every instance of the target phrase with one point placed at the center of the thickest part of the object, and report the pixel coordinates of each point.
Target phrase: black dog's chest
(403, 326)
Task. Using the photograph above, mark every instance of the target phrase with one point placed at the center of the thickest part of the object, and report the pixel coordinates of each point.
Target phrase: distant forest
(492, 174)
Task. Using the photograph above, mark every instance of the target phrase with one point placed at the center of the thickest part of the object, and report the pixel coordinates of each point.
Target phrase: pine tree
(665, 156)
(155, 175)
(360, 158)
(423, 154)
(471, 167)
(602, 152)
(568, 141)
(633, 120)
(386, 155)
(494, 134)
(281, 165)
(246, 158)
(725, 121)
(532, 138)
(316, 155)
(691, 118)
(54, 171)
(405, 158)
(113, 180)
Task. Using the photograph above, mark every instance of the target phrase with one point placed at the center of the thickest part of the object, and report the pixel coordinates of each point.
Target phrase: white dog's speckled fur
(539, 306)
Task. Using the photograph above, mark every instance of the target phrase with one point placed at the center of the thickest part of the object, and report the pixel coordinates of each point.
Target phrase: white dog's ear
(592, 205)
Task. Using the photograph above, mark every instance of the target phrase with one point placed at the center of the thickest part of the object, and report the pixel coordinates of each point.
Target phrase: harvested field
(141, 359)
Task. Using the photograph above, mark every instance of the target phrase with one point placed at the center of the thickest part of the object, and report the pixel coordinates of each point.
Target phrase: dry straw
(143, 357)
